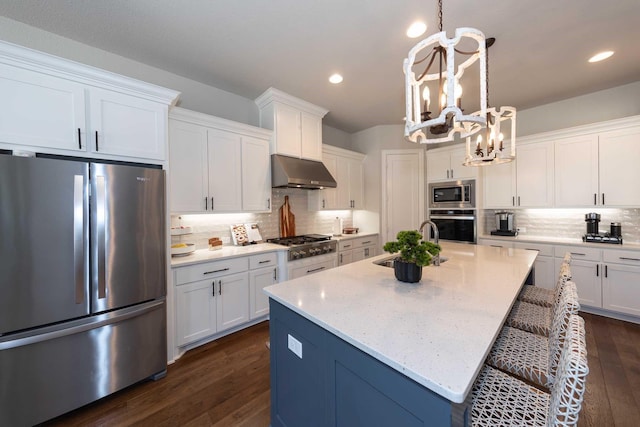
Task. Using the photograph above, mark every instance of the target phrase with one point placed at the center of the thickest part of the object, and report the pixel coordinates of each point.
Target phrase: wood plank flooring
(226, 383)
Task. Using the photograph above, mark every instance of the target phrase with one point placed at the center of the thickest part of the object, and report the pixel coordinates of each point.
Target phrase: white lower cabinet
(313, 266)
(586, 272)
(196, 309)
(543, 268)
(263, 273)
(233, 300)
(357, 249)
(621, 282)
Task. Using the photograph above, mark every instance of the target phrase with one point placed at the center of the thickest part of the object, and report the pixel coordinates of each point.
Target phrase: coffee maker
(595, 236)
(504, 225)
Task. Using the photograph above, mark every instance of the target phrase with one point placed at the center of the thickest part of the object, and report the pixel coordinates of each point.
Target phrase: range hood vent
(291, 172)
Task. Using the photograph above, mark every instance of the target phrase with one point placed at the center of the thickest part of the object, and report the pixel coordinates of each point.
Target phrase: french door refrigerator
(82, 283)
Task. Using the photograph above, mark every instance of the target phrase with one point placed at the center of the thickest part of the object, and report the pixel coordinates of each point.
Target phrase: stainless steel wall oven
(458, 225)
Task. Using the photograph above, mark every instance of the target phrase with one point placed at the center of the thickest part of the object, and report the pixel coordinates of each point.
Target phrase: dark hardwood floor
(226, 383)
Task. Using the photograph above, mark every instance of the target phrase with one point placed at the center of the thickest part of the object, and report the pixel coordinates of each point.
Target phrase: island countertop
(437, 332)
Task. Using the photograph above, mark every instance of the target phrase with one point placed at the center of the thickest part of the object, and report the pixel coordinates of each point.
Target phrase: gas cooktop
(306, 246)
(299, 240)
(602, 238)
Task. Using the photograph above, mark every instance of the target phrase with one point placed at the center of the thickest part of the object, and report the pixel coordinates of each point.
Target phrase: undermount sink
(388, 262)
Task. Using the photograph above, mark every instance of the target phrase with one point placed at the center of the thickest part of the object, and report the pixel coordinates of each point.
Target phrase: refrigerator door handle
(82, 325)
(78, 236)
(100, 226)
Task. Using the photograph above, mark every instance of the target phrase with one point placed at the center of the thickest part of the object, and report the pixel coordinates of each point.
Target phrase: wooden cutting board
(287, 220)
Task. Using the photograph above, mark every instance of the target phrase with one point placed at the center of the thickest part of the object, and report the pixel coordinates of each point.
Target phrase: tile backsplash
(206, 226)
(567, 223)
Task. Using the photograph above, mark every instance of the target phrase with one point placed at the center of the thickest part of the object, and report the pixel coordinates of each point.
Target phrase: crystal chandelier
(489, 146)
(420, 126)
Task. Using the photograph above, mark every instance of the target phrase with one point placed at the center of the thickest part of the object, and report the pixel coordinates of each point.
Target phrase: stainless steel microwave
(453, 194)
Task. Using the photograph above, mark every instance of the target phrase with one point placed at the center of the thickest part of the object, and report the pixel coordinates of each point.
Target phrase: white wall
(336, 137)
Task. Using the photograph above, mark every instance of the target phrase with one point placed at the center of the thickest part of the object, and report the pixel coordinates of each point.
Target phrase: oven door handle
(468, 217)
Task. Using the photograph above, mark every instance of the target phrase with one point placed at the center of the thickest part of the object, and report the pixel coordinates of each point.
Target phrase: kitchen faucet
(436, 238)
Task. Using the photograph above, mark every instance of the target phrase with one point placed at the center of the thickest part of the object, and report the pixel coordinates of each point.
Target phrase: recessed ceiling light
(335, 78)
(416, 29)
(601, 56)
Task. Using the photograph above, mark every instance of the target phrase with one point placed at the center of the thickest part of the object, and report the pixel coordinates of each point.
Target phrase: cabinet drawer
(263, 260)
(544, 250)
(621, 257)
(211, 269)
(579, 253)
(345, 245)
(365, 241)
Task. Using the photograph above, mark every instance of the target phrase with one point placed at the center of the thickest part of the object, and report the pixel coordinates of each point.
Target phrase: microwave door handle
(101, 212)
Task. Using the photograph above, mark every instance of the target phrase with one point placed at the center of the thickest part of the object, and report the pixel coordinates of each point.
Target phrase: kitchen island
(353, 346)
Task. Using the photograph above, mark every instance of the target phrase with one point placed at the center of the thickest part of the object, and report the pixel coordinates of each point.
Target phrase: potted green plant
(414, 253)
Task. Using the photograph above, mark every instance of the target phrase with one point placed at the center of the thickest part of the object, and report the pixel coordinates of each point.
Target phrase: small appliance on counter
(614, 235)
(504, 225)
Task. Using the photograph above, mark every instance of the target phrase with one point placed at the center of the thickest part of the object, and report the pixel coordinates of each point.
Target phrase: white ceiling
(246, 46)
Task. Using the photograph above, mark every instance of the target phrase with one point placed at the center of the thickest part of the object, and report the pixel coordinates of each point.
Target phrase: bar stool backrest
(567, 306)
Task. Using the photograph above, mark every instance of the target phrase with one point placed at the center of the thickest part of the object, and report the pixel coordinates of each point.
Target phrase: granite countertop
(204, 255)
(437, 332)
(634, 246)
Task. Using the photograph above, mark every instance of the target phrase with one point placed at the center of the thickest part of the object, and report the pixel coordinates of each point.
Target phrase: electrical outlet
(522, 229)
(294, 345)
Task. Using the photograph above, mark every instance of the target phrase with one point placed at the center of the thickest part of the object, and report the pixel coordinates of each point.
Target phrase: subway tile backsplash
(566, 223)
(206, 226)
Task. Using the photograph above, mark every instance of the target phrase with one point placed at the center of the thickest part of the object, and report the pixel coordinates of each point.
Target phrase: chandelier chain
(440, 14)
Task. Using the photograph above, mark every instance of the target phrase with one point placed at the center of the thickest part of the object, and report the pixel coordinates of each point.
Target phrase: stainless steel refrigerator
(82, 283)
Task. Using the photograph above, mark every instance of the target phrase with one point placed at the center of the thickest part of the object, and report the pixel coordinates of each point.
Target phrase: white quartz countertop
(204, 255)
(634, 246)
(437, 332)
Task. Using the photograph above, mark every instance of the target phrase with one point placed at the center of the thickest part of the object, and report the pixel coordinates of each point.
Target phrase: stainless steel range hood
(291, 172)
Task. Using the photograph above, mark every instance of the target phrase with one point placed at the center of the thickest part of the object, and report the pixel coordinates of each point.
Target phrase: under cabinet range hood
(291, 172)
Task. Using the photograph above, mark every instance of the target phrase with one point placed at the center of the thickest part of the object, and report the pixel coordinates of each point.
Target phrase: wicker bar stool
(499, 399)
(533, 317)
(547, 297)
(532, 357)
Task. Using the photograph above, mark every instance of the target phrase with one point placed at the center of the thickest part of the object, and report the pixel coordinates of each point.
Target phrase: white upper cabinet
(296, 124)
(534, 175)
(576, 171)
(500, 185)
(446, 164)
(346, 168)
(619, 155)
(126, 125)
(61, 107)
(216, 165)
(41, 111)
(256, 174)
(526, 182)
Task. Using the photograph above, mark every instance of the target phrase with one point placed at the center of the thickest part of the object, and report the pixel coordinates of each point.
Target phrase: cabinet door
(296, 272)
(621, 288)
(225, 173)
(402, 192)
(42, 111)
(544, 272)
(576, 171)
(311, 140)
(256, 175)
(343, 199)
(196, 310)
(499, 185)
(586, 276)
(233, 300)
(619, 159)
(287, 130)
(329, 196)
(258, 300)
(458, 170)
(188, 168)
(125, 125)
(345, 257)
(534, 175)
(358, 254)
(356, 184)
(438, 165)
